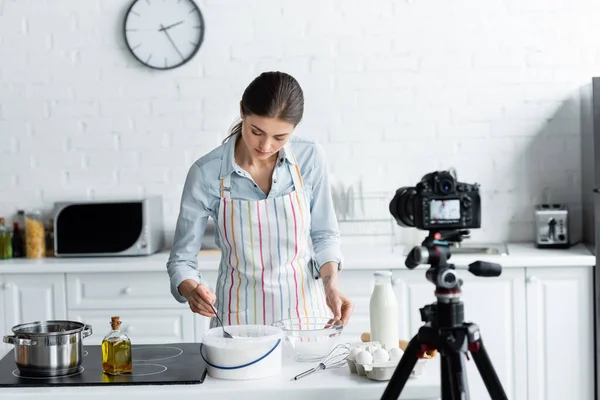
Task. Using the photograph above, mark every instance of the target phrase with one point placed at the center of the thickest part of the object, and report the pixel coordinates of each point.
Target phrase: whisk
(335, 358)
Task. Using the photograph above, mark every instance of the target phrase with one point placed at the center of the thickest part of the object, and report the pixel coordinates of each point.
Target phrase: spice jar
(35, 235)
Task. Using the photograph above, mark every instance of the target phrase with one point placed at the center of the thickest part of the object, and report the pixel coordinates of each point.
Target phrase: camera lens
(401, 207)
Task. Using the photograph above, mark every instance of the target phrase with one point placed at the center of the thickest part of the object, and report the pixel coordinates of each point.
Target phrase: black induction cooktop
(153, 364)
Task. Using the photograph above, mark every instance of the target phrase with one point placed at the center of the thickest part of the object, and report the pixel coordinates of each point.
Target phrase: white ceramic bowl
(254, 354)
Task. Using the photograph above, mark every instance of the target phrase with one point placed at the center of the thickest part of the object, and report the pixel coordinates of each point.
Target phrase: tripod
(444, 328)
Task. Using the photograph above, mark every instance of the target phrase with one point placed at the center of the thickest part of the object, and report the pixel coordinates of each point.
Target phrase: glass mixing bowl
(309, 338)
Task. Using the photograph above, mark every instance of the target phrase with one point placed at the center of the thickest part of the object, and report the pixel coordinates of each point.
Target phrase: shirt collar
(228, 164)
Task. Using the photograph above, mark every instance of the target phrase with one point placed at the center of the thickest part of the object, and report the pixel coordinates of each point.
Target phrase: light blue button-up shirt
(201, 195)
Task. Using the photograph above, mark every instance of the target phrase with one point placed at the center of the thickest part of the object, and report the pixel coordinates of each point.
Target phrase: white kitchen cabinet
(3, 328)
(142, 326)
(497, 306)
(33, 297)
(560, 326)
(109, 291)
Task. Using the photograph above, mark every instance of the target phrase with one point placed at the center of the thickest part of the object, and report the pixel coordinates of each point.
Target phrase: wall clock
(163, 34)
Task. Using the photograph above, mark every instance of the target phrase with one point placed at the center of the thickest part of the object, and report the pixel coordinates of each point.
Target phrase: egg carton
(369, 359)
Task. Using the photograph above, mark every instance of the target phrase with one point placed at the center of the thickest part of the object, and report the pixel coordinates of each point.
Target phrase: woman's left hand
(341, 306)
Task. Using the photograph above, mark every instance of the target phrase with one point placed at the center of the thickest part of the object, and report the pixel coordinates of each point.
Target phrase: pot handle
(87, 331)
(18, 341)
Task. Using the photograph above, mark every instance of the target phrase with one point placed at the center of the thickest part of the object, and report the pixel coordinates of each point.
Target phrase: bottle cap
(1, 221)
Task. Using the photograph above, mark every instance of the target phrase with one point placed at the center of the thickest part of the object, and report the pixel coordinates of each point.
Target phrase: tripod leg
(487, 372)
(445, 382)
(403, 370)
(456, 373)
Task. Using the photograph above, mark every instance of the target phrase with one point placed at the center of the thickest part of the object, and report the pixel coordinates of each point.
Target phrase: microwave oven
(108, 228)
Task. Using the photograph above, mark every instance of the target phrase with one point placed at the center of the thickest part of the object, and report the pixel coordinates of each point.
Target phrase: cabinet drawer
(142, 326)
(106, 291)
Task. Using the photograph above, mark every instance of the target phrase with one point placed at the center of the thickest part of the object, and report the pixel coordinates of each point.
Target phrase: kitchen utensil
(552, 225)
(225, 334)
(336, 358)
(309, 338)
(48, 348)
(254, 354)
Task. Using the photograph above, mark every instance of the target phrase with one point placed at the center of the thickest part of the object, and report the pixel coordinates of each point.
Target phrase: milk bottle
(383, 311)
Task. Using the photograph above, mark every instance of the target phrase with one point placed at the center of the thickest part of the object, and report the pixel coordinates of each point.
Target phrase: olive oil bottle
(116, 350)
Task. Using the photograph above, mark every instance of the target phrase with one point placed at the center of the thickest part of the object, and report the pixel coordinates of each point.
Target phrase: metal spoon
(225, 334)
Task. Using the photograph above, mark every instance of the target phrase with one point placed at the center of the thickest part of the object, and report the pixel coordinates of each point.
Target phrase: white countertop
(355, 257)
(331, 384)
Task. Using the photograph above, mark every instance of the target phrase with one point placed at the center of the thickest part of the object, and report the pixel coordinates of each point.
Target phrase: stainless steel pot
(48, 348)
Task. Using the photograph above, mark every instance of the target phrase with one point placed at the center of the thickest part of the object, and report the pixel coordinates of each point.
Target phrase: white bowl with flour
(255, 353)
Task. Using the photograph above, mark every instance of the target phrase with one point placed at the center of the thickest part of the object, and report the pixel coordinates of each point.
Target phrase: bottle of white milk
(383, 311)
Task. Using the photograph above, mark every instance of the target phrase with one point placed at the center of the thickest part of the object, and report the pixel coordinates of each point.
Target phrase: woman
(268, 193)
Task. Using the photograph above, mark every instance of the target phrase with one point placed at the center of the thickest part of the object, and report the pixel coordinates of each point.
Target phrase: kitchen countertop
(355, 257)
(328, 384)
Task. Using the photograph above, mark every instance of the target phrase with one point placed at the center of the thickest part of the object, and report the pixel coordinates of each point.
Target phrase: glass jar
(35, 235)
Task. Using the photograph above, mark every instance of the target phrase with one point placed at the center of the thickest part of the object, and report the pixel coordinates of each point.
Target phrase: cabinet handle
(531, 279)
(127, 290)
(129, 329)
(7, 285)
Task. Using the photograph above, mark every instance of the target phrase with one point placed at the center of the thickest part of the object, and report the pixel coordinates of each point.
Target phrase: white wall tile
(394, 90)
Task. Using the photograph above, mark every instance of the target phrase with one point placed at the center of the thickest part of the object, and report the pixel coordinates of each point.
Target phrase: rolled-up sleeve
(189, 231)
(325, 232)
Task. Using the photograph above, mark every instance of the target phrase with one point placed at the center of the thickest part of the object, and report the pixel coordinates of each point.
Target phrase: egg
(371, 349)
(380, 356)
(395, 354)
(353, 353)
(364, 357)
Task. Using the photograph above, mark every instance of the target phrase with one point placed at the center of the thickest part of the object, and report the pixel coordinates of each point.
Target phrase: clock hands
(170, 26)
(171, 40)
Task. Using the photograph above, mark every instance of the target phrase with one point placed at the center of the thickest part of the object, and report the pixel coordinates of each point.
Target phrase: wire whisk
(335, 358)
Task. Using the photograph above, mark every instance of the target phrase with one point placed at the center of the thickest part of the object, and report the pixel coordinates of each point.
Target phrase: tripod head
(435, 250)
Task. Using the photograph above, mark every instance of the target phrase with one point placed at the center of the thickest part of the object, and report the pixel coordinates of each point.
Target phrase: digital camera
(438, 202)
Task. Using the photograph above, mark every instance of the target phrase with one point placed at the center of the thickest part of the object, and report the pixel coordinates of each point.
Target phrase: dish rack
(365, 216)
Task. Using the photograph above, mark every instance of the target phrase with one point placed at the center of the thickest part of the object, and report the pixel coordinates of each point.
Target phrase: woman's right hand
(199, 297)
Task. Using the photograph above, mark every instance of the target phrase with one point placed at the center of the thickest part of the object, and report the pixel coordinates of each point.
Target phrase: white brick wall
(405, 87)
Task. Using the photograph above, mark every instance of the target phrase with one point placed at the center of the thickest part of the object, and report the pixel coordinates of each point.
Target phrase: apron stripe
(262, 262)
(271, 285)
(279, 266)
(245, 262)
(296, 238)
(253, 261)
(302, 241)
(287, 270)
(237, 267)
(229, 257)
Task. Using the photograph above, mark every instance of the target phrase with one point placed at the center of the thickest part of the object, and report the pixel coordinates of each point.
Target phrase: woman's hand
(341, 306)
(198, 296)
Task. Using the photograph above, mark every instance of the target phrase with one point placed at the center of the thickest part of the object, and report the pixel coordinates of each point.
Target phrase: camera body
(438, 202)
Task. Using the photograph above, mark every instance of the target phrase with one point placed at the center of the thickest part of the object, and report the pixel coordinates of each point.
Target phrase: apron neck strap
(295, 170)
(225, 188)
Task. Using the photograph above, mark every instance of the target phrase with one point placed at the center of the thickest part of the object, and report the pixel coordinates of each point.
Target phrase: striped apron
(266, 269)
